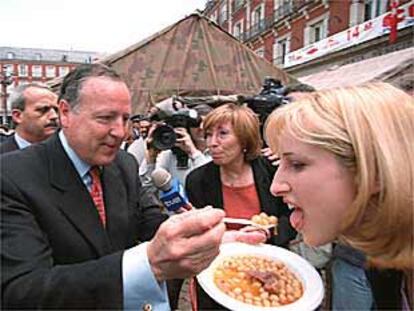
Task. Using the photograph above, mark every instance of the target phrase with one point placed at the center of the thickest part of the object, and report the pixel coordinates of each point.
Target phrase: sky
(104, 26)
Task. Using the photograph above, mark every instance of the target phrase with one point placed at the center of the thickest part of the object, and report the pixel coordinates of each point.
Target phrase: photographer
(190, 142)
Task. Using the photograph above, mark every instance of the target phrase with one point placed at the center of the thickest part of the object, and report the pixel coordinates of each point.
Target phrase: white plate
(311, 280)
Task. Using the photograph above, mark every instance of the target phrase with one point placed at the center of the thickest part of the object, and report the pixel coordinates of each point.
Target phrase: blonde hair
(370, 128)
(245, 124)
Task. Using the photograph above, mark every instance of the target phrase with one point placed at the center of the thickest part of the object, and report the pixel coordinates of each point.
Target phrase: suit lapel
(116, 207)
(75, 202)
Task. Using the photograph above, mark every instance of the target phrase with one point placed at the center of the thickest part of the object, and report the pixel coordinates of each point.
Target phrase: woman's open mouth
(297, 217)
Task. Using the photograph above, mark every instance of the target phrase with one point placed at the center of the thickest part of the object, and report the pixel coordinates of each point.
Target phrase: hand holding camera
(184, 141)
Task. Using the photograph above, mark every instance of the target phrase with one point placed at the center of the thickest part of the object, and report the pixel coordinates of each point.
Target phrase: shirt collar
(81, 166)
(21, 142)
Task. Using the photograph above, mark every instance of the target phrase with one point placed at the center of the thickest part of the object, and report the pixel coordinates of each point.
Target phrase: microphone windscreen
(161, 179)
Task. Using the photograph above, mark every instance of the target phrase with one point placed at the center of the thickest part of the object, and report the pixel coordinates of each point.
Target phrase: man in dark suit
(64, 248)
(35, 113)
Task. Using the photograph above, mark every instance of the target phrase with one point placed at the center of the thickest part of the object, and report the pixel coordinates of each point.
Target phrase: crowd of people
(83, 227)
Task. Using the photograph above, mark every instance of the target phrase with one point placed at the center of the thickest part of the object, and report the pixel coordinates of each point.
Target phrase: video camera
(164, 136)
(270, 97)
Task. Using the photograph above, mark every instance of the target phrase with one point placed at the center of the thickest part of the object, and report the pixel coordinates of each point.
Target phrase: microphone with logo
(172, 193)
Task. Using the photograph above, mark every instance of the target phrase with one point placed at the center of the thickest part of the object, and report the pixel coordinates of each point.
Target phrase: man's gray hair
(18, 99)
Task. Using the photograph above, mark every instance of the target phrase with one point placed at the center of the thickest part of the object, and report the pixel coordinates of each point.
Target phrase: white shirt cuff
(139, 284)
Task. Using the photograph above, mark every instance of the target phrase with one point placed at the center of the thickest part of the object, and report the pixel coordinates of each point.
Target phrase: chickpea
(274, 297)
(248, 295)
(266, 303)
(233, 278)
(264, 295)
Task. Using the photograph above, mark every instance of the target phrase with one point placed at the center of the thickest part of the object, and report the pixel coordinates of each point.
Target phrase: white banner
(355, 35)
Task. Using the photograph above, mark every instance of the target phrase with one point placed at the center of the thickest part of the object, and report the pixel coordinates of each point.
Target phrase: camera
(270, 97)
(164, 136)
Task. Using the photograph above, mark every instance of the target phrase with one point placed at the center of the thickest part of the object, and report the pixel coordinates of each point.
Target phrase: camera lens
(164, 137)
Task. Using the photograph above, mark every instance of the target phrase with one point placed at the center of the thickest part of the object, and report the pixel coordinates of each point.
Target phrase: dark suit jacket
(8, 144)
(55, 252)
(203, 187)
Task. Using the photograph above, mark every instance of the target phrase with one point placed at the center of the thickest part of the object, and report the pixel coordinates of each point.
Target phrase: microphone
(172, 192)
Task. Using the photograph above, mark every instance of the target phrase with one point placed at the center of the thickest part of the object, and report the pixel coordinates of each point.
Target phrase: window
(282, 9)
(8, 69)
(316, 30)
(374, 8)
(23, 70)
(280, 50)
(50, 71)
(223, 12)
(257, 15)
(237, 4)
(63, 70)
(214, 16)
(238, 30)
(36, 71)
(38, 56)
(10, 55)
(257, 21)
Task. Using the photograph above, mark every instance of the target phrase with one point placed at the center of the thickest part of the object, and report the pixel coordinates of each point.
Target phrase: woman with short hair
(238, 179)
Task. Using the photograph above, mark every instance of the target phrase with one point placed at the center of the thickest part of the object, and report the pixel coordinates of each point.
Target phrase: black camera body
(164, 136)
(270, 97)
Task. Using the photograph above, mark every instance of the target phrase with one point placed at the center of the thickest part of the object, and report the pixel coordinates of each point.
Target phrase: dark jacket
(203, 187)
(55, 252)
(8, 144)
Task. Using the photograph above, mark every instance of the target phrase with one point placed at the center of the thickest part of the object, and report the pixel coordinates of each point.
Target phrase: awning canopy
(391, 67)
(193, 57)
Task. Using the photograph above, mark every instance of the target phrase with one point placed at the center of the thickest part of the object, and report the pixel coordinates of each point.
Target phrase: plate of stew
(262, 277)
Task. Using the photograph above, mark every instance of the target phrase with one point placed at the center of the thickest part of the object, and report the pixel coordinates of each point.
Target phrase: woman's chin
(315, 241)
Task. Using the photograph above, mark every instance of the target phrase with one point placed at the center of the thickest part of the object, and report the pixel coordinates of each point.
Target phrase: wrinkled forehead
(35, 95)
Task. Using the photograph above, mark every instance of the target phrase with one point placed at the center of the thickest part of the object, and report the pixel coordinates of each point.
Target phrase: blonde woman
(347, 171)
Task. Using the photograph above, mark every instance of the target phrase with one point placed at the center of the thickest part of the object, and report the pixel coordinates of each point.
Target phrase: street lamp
(6, 78)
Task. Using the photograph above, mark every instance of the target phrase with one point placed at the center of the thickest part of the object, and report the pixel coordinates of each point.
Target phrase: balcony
(290, 7)
(237, 5)
(282, 11)
(255, 30)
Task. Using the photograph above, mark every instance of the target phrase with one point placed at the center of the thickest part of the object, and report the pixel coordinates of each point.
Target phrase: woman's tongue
(296, 219)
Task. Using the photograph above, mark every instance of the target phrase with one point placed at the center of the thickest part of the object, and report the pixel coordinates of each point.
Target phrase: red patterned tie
(96, 193)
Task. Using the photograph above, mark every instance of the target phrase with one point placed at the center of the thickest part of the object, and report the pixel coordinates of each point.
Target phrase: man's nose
(118, 128)
(53, 113)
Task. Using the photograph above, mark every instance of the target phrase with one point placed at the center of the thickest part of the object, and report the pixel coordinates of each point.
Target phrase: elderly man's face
(96, 128)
